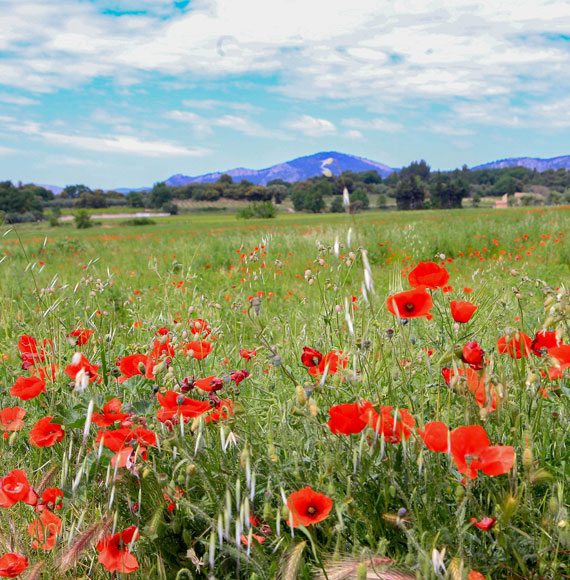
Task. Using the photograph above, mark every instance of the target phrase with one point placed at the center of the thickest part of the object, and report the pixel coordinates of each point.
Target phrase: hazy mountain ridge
(295, 170)
(562, 162)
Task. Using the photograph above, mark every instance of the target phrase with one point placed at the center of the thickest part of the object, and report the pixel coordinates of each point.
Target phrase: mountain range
(562, 162)
(311, 165)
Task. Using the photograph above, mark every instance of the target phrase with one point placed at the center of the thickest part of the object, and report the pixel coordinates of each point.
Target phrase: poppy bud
(271, 453)
(459, 494)
(328, 464)
(190, 470)
(301, 396)
(159, 368)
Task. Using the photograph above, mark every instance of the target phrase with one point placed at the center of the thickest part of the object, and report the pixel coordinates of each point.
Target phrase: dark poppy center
(311, 510)
(409, 307)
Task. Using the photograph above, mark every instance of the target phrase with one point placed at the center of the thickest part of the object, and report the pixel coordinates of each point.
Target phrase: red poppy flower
(12, 565)
(52, 499)
(473, 354)
(474, 575)
(517, 347)
(44, 530)
(80, 363)
(485, 524)
(161, 350)
(247, 354)
(411, 304)
(80, 336)
(561, 354)
(136, 365)
(462, 311)
(333, 360)
(12, 419)
(346, 419)
(111, 413)
(476, 385)
(114, 551)
(311, 357)
(45, 434)
(223, 411)
(208, 384)
(428, 274)
(259, 539)
(308, 507)
(199, 326)
(239, 376)
(14, 487)
(28, 347)
(198, 349)
(163, 331)
(543, 340)
(392, 423)
(28, 387)
(436, 436)
(173, 404)
(472, 452)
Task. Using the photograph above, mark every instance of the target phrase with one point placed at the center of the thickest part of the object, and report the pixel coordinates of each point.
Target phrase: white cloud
(379, 53)
(125, 144)
(199, 124)
(17, 100)
(353, 134)
(373, 124)
(312, 126)
(247, 127)
(7, 150)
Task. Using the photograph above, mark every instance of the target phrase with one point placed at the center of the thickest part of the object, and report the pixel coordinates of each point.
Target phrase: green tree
(314, 201)
(337, 205)
(134, 199)
(410, 193)
(360, 197)
(83, 220)
(160, 194)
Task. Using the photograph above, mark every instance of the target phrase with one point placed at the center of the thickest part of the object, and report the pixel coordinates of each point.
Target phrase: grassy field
(214, 480)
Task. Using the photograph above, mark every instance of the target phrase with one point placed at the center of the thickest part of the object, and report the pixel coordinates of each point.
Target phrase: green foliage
(260, 210)
(360, 197)
(160, 195)
(337, 205)
(140, 221)
(410, 193)
(83, 220)
(134, 199)
(170, 208)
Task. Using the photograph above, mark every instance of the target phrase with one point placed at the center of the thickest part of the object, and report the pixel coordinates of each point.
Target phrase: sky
(126, 93)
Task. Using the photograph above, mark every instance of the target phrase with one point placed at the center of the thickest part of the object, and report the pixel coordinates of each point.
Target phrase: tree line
(413, 187)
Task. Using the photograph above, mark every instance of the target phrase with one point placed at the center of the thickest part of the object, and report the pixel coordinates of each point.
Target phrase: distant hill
(295, 170)
(562, 162)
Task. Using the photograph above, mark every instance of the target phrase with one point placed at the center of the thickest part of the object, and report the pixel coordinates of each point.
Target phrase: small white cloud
(247, 127)
(353, 134)
(312, 126)
(17, 100)
(7, 150)
(374, 124)
(199, 124)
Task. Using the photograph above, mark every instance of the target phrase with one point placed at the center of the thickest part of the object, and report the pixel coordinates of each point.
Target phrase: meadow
(382, 396)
